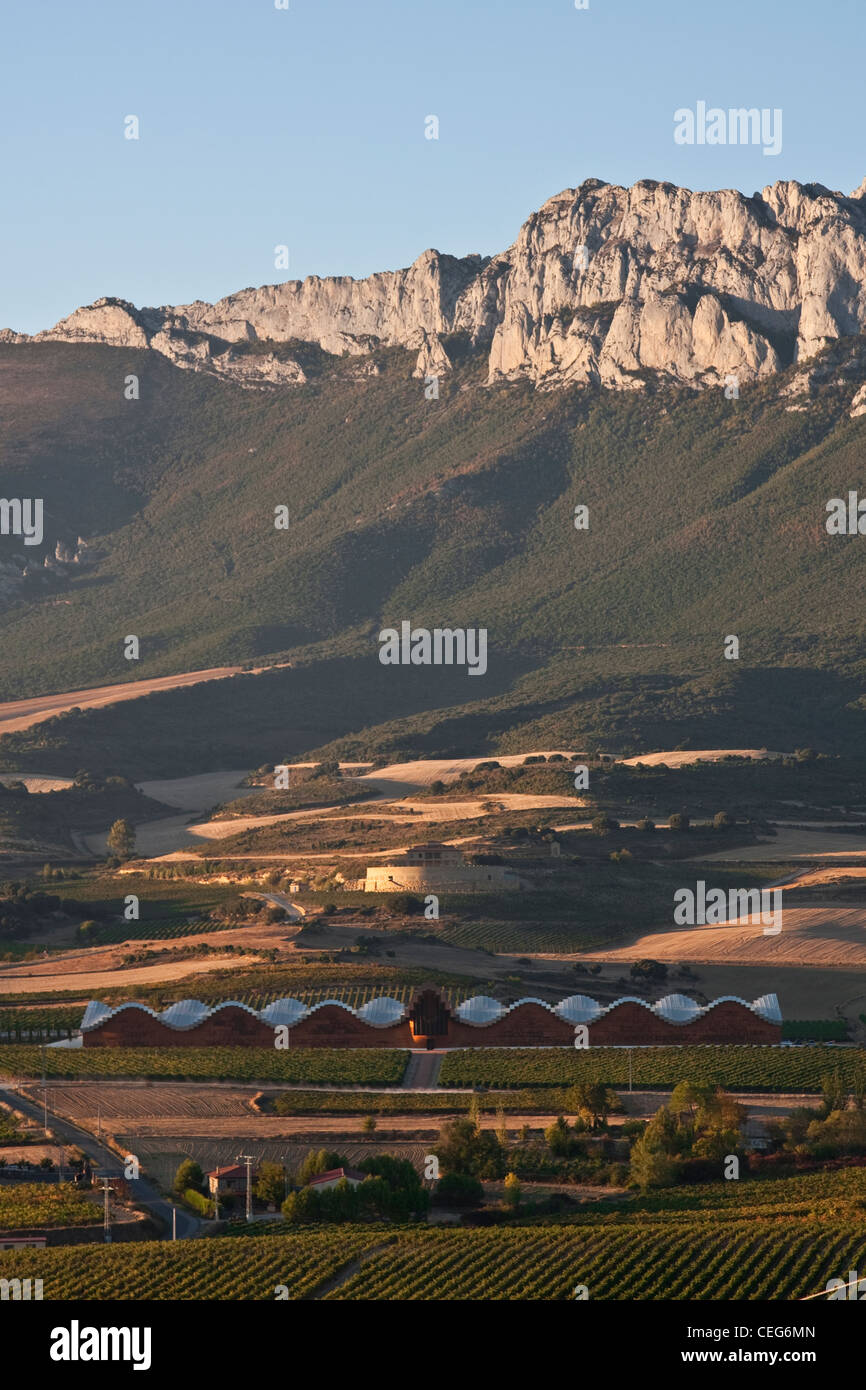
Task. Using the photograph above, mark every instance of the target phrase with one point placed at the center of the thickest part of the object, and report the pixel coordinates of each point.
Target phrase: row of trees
(391, 1191)
(603, 824)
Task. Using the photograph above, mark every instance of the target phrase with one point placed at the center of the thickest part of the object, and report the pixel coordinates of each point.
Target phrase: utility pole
(629, 1070)
(174, 1222)
(247, 1159)
(106, 1222)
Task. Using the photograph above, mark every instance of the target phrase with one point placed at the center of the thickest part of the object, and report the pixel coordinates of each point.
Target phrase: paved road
(422, 1072)
(296, 913)
(109, 1165)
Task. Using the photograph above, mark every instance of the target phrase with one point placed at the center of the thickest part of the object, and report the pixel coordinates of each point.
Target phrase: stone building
(437, 868)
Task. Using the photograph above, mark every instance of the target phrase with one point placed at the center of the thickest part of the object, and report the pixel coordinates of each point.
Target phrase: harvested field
(32, 979)
(112, 1100)
(677, 758)
(823, 936)
(790, 843)
(16, 715)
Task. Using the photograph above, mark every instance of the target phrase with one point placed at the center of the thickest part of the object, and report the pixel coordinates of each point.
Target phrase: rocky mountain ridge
(603, 286)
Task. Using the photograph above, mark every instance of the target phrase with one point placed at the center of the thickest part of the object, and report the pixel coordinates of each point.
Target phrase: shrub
(458, 1190)
(604, 823)
(406, 904)
(188, 1175)
(203, 1205)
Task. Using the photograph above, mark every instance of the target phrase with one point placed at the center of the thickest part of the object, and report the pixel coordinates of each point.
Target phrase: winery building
(429, 1021)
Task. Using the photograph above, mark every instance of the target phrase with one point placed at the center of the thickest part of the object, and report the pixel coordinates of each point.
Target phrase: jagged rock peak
(603, 284)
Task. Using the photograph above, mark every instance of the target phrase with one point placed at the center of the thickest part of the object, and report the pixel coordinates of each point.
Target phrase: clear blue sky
(306, 127)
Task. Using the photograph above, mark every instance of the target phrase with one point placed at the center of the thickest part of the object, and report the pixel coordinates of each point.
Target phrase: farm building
(434, 868)
(230, 1179)
(428, 1021)
(334, 1176)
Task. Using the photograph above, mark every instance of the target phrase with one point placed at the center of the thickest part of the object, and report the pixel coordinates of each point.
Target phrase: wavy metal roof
(479, 1011)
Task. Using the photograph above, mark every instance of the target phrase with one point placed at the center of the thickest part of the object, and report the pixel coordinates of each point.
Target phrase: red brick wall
(228, 1028)
(333, 1026)
(330, 1026)
(726, 1023)
(530, 1025)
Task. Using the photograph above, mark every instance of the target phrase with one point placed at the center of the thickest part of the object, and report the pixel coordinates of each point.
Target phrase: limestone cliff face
(603, 285)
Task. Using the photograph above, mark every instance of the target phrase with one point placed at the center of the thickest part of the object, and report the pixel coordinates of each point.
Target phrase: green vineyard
(541, 1101)
(736, 1068)
(195, 1269)
(39, 1024)
(649, 1262)
(338, 1066)
(45, 1204)
(767, 1238)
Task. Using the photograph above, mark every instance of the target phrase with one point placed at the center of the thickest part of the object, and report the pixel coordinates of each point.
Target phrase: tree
(603, 823)
(501, 1127)
(723, 820)
(302, 1206)
(189, 1174)
(406, 904)
(646, 824)
(591, 1101)
(271, 1184)
(650, 1165)
(369, 1124)
(339, 1203)
(558, 1137)
(393, 1188)
(649, 971)
(690, 1096)
(319, 1161)
(121, 839)
(475, 1111)
(512, 1190)
(679, 821)
(464, 1149)
(834, 1092)
(458, 1190)
(329, 768)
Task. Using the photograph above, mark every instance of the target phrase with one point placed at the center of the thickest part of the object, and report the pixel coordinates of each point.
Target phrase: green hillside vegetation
(802, 787)
(306, 795)
(706, 518)
(31, 820)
